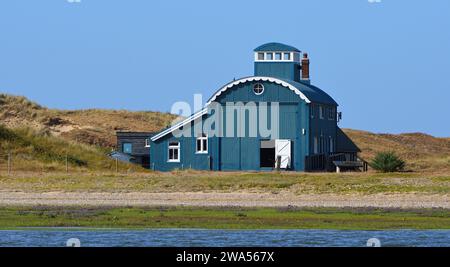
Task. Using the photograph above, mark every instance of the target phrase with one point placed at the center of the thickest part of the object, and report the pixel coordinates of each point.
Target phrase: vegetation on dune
(421, 152)
(387, 162)
(224, 218)
(92, 126)
(39, 151)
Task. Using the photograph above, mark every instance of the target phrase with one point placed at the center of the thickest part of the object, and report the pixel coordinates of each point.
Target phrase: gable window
(174, 152)
(147, 142)
(258, 89)
(202, 144)
(127, 148)
(321, 111)
(287, 56)
(269, 56)
(277, 56)
(260, 56)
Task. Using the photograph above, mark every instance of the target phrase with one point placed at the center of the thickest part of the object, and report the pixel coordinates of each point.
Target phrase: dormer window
(269, 56)
(277, 56)
(258, 89)
(287, 56)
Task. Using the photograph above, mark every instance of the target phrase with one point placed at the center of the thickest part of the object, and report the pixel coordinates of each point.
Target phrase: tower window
(277, 56)
(287, 56)
(260, 56)
(258, 89)
(269, 56)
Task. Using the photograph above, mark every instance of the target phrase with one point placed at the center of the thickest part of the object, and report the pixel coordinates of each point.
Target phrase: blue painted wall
(322, 128)
(236, 153)
(189, 159)
(282, 70)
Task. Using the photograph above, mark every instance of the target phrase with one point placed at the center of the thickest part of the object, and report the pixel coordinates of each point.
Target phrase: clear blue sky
(387, 64)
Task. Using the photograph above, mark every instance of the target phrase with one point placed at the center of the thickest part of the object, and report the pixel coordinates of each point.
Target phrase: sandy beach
(221, 199)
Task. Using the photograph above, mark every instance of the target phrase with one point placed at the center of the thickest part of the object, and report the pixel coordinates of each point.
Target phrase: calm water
(219, 238)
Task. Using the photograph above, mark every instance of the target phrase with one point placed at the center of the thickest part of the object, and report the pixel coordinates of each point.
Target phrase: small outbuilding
(133, 147)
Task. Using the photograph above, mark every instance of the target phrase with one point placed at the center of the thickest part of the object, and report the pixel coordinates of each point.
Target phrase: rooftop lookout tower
(281, 61)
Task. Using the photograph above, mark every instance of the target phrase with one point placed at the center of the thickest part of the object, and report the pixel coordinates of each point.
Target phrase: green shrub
(387, 162)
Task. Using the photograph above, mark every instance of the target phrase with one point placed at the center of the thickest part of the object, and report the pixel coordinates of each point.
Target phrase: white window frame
(260, 54)
(293, 56)
(262, 87)
(202, 150)
(174, 147)
(278, 54)
(147, 142)
(321, 112)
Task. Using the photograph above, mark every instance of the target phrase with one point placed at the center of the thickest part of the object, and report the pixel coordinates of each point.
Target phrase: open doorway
(267, 154)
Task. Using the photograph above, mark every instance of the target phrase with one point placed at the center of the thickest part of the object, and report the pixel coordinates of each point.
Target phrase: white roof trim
(259, 78)
(180, 124)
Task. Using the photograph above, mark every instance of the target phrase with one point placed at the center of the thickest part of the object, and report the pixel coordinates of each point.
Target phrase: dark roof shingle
(276, 47)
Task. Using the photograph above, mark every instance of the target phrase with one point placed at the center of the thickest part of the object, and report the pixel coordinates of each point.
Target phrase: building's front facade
(305, 118)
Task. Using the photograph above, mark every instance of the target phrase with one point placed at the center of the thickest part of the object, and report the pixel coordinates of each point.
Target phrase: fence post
(278, 163)
(67, 163)
(9, 163)
(117, 165)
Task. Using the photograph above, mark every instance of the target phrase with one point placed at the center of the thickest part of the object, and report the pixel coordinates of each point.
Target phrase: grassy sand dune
(38, 152)
(92, 126)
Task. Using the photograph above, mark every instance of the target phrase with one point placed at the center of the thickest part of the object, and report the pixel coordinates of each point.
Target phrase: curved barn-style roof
(306, 92)
(313, 93)
(276, 47)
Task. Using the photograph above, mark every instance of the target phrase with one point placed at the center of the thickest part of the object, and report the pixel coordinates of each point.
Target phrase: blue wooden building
(307, 138)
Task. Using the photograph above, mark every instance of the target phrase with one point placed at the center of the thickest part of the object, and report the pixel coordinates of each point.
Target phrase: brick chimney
(305, 67)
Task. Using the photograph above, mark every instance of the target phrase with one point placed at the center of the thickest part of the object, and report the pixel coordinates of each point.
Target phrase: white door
(283, 150)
